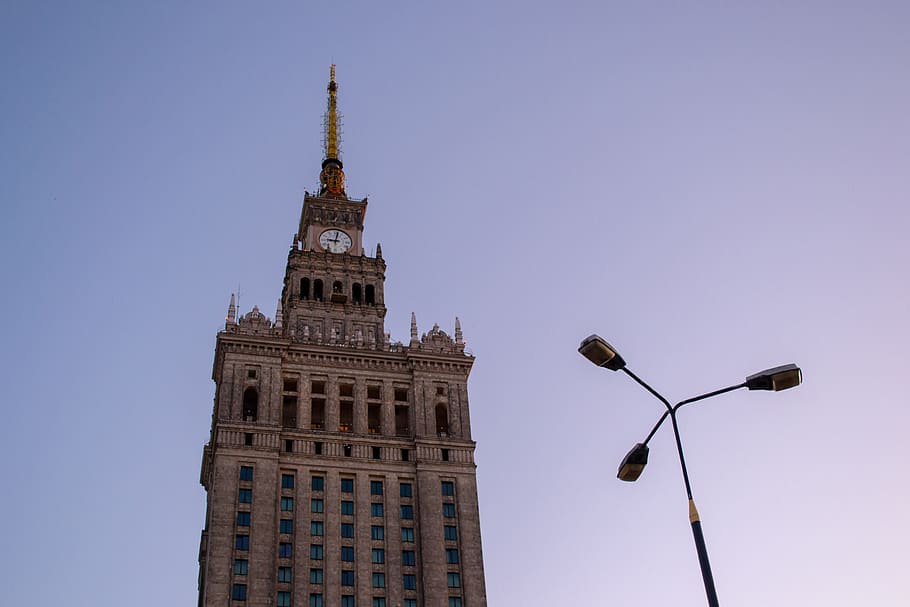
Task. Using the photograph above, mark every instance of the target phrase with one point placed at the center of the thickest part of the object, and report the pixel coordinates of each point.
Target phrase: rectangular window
(284, 599)
(288, 445)
(241, 566)
(317, 413)
(317, 483)
(347, 485)
(239, 592)
(347, 578)
(378, 580)
(377, 453)
(407, 558)
(316, 505)
(410, 581)
(316, 528)
(284, 574)
(378, 556)
(347, 600)
(407, 534)
(346, 416)
(374, 419)
(377, 532)
(242, 542)
(243, 519)
(406, 490)
(285, 550)
(286, 526)
(454, 580)
(451, 556)
(246, 473)
(315, 576)
(316, 552)
(410, 603)
(347, 507)
(289, 411)
(376, 509)
(378, 601)
(454, 601)
(375, 487)
(287, 481)
(287, 504)
(448, 510)
(448, 488)
(245, 496)
(347, 530)
(315, 600)
(451, 533)
(317, 447)
(347, 554)
(407, 512)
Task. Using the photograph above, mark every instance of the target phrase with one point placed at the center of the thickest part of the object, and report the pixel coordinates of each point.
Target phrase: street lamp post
(602, 354)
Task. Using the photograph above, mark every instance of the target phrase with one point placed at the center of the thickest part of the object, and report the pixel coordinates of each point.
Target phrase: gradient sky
(715, 187)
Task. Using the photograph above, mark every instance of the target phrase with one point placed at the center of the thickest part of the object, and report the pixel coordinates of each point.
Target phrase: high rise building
(340, 468)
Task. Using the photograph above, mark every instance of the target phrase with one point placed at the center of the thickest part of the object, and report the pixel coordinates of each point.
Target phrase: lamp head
(633, 463)
(596, 349)
(778, 378)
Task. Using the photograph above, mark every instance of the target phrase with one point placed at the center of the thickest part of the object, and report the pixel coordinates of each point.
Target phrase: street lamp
(598, 351)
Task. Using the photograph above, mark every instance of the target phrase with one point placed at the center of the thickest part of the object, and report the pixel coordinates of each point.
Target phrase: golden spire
(331, 179)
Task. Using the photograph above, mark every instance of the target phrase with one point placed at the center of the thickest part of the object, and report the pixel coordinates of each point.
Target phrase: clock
(334, 241)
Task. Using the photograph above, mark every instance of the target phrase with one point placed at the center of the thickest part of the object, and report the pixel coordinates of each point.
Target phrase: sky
(714, 187)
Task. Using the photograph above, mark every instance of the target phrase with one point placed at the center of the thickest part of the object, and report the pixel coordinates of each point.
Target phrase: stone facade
(340, 467)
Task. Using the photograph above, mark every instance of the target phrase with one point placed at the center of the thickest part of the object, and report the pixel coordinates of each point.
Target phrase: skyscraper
(340, 468)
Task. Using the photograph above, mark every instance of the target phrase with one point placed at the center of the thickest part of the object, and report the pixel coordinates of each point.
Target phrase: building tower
(340, 468)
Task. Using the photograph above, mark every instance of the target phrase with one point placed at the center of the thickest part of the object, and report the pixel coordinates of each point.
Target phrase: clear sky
(715, 187)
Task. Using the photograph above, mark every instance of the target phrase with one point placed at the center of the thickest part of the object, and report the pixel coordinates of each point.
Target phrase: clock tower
(340, 466)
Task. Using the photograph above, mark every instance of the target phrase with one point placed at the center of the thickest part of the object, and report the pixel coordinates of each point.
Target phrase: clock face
(335, 241)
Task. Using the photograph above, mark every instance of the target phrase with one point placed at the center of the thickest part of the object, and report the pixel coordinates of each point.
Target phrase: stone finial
(278, 316)
(414, 340)
(231, 317)
(378, 251)
(386, 340)
(459, 337)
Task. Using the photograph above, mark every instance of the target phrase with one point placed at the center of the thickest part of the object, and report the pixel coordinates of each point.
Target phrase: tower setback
(340, 467)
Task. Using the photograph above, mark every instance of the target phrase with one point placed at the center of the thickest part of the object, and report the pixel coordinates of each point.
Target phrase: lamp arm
(654, 392)
(709, 395)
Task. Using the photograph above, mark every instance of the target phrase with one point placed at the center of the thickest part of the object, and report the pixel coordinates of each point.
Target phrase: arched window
(337, 287)
(317, 289)
(304, 288)
(356, 293)
(250, 404)
(371, 295)
(442, 420)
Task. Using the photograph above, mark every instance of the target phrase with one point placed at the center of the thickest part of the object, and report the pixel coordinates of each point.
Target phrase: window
(347, 600)
(245, 496)
(288, 445)
(374, 392)
(347, 485)
(378, 601)
(248, 439)
(246, 473)
(402, 424)
(251, 373)
(284, 574)
(316, 505)
(287, 504)
(407, 558)
(347, 578)
(347, 530)
(451, 556)
(317, 289)
(316, 552)
(317, 483)
(378, 580)
(448, 510)
(239, 592)
(401, 395)
(284, 599)
(285, 550)
(375, 487)
(304, 288)
(347, 450)
(241, 566)
(374, 419)
(242, 542)
(406, 490)
(347, 507)
(316, 528)
(377, 532)
(405, 455)
(445, 455)
(377, 453)
(378, 556)
(410, 603)
(407, 534)
(315, 600)
(371, 300)
(317, 414)
(347, 554)
(287, 481)
(286, 526)
(454, 601)
(407, 512)
(317, 448)
(346, 417)
(250, 404)
(243, 519)
(451, 533)
(454, 580)
(315, 576)
(448, 488)
(289, 411)
(410, 581)
(376, 509)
